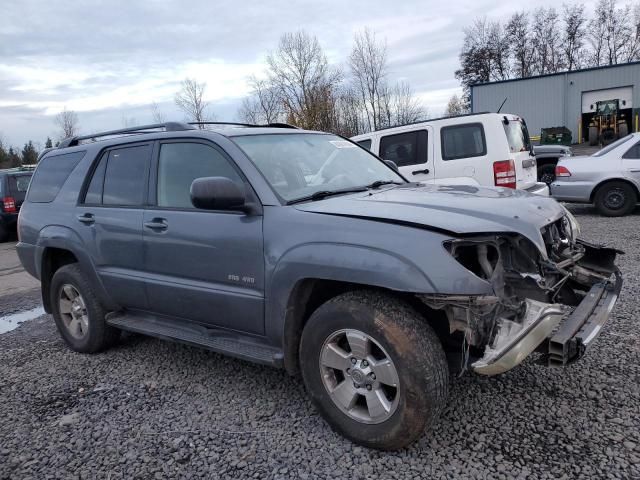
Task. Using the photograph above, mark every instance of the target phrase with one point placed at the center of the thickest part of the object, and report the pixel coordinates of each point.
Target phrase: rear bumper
(540, 188)
(572, 191)
(564, 338)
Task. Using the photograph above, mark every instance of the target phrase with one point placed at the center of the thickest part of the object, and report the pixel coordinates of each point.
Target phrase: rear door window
(463, 141)
(120, 179)
(633, 153)
(409, 148)
(51, 174)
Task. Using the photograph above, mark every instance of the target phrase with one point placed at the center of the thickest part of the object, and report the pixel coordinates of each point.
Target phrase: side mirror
(393, 165)
(217, 193)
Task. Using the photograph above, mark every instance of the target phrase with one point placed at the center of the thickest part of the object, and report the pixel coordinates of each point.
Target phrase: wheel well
(309, 294)
(609, 180)
(52, 260)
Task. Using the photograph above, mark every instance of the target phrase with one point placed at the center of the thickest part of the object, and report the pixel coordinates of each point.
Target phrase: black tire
(409, 342)
(615, 199)
(547, 173)
(98, 336)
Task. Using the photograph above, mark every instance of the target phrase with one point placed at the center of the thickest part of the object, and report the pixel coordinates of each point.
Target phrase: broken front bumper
(566, 336)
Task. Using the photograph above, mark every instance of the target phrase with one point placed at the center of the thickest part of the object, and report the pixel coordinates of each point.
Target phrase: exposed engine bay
(554, 301)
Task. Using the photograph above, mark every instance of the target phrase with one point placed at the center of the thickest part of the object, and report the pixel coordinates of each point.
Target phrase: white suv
(489, 149)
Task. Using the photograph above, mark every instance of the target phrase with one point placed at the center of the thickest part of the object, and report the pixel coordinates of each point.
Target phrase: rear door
(631, 162)
(519, 144)
(109, 221)
(410, 151)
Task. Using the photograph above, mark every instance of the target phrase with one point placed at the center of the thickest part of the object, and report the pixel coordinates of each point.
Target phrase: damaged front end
(554, 302)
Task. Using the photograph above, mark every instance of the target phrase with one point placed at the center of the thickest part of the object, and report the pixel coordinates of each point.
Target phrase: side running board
(216, 340)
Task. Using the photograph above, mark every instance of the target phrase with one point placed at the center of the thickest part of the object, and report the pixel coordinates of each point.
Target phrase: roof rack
(250, 125)
(168, 127)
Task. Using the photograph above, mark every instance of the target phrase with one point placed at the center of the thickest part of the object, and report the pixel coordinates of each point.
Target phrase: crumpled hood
(457, 209)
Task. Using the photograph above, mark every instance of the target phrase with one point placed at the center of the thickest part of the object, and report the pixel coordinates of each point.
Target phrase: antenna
(502, 104)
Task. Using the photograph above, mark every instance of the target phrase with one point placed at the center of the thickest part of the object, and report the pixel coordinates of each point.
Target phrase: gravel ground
(150, 409)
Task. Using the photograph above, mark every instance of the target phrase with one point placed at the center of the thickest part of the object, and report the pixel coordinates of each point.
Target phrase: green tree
(48, 143)
(13, 159)
(29, 154)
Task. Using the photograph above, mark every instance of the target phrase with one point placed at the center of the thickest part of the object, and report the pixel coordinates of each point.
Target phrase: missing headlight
(480, 258)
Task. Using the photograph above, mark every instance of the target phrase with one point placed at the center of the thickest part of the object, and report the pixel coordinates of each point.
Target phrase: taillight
(562, 171)
(504, 173)
(9, 204)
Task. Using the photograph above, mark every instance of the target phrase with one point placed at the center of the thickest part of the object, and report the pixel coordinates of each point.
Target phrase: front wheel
(374, 369)
(615, 199)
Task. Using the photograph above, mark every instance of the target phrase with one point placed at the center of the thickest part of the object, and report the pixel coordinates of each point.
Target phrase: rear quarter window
(365, 143)
(51, 174)
(463, 141)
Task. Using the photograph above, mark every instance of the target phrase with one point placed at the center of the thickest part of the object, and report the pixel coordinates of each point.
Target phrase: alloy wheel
(359, 376)
(73, 311)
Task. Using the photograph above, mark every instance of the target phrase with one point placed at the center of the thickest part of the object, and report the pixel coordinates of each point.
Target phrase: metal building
(566, 99)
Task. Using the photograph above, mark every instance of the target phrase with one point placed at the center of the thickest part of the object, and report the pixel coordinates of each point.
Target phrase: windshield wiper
(379, 183)
(326, 193)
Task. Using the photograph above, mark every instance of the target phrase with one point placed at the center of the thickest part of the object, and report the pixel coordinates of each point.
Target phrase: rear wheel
(374, 368)
(77, 312)
(615, 199)
(547, 174)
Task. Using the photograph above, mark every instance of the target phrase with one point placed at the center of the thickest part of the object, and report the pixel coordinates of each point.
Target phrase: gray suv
(304, 251)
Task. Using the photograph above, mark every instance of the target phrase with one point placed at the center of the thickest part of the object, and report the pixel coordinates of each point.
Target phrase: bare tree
(574, 35)
(264, 105)
(349, 113)
(609, 31)
(299, 71)
(455, 106)
(67, 122)
(632, 46)
(546, 41)
(499, 48)
(403, 106)
(190, 99)
(368, 64)
(156, 114)
(519, 37)
(128, 121)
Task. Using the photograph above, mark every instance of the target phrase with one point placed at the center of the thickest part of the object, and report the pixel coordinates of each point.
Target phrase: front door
(203, 266)
(410, 151)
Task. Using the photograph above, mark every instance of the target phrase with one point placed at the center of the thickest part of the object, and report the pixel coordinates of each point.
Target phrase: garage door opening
(606, 115)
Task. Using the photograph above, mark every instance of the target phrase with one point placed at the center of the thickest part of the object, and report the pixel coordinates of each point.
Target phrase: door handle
(416, 172)
(157, 224)
(86, 218)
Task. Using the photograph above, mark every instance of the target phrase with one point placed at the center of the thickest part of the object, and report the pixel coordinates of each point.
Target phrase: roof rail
(250, 125)
(168, 127)
(433, 120)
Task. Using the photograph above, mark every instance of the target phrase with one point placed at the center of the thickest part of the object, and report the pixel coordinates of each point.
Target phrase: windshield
(517, 136)
(302, 164)
(611, 146)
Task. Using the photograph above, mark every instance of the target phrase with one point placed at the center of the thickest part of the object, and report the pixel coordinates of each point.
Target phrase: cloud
(109, 60)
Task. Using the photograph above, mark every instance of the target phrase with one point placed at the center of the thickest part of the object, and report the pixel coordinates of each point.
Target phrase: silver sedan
(610, 178)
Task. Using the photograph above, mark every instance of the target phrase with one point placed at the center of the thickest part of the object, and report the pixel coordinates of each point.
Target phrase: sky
(109, 60)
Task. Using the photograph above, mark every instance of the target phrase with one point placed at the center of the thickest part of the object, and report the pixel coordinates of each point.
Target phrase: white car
(488, 149)
(610, 178)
